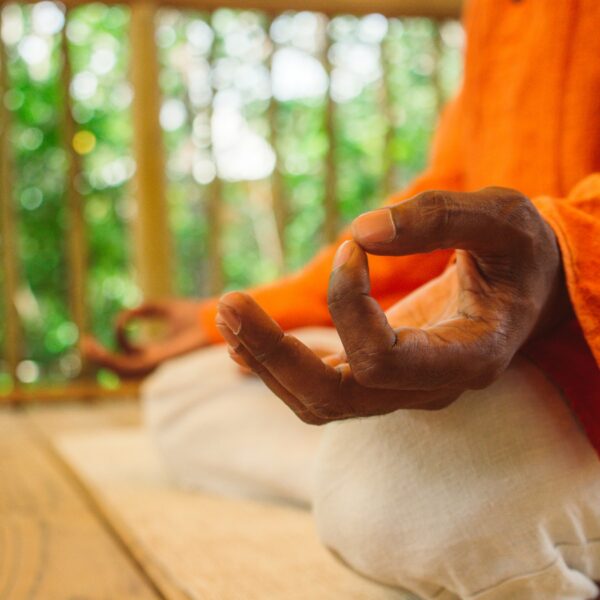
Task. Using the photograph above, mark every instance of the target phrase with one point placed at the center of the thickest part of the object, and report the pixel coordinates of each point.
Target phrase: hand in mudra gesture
(182, 334)
(456, 333)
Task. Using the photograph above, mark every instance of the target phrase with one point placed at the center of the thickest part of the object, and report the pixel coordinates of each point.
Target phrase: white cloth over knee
(495, 497)
(220, 431)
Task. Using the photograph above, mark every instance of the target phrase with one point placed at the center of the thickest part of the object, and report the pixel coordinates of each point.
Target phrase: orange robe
(527, 117)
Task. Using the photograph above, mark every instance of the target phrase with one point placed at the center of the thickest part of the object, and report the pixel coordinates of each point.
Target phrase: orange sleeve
(576, 223)
(301, 299)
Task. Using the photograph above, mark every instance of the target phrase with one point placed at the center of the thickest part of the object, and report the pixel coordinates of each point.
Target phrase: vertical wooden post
(278, 203)
(436, 78)
(214, 219)
(153, 251)
(76, 234)
(393, 170)
(259, 194)
(331, 206)
(387, 101)
(8, 250)
(214, 208)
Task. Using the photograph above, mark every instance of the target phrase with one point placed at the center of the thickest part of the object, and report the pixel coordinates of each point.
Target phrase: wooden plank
(214, 208)
(439, 9)
(388, 182)
(67, 417)
(79, 390)
(261, 202)
(51, 543)
(57, 420)
(214, 218)
(436, 76)
(279, 204)
(153, 250)
(212, 548)
(8, 230)
(76, 231)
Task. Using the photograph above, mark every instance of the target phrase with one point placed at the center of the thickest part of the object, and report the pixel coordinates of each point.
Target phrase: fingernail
(231, 318)
(227, 334)
(344, 252)
(374, 227)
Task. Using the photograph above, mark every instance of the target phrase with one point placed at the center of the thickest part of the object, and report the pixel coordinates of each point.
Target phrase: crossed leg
(497, 496)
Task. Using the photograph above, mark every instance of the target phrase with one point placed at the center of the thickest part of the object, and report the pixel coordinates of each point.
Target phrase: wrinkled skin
(456, 333)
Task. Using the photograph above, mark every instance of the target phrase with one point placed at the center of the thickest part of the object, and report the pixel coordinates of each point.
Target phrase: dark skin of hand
(458, 332)
(183, 334)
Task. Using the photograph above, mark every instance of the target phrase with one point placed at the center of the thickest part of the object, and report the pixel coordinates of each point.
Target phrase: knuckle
(524, 217)
(518, 213)
(269, 348)
(337, 299)
(437, 206)
(341, 296)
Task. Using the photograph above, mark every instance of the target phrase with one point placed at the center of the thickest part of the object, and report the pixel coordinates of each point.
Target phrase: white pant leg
(496, 497)
(220, 431)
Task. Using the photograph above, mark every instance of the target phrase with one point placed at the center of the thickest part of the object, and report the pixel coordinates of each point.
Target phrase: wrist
(558, 307)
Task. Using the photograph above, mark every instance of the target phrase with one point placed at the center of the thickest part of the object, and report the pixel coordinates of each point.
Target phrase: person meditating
(461, 402)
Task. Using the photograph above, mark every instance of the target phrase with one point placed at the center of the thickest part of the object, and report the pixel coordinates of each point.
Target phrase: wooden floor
(53, 542)
(86, 512)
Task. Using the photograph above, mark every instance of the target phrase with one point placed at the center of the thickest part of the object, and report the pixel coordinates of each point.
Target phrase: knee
(373, 509)
(417, 494)
(357, 532)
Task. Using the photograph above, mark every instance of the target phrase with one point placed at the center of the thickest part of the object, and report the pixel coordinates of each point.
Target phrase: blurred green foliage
(389, 79)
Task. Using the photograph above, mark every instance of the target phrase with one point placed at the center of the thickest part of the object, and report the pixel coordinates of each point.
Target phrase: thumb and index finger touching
(148, 310)
(130, 359)
(410, 357)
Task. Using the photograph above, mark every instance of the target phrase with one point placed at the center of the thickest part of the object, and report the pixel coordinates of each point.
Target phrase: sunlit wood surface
(53, 544)
(80, 390)
(86, 511)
